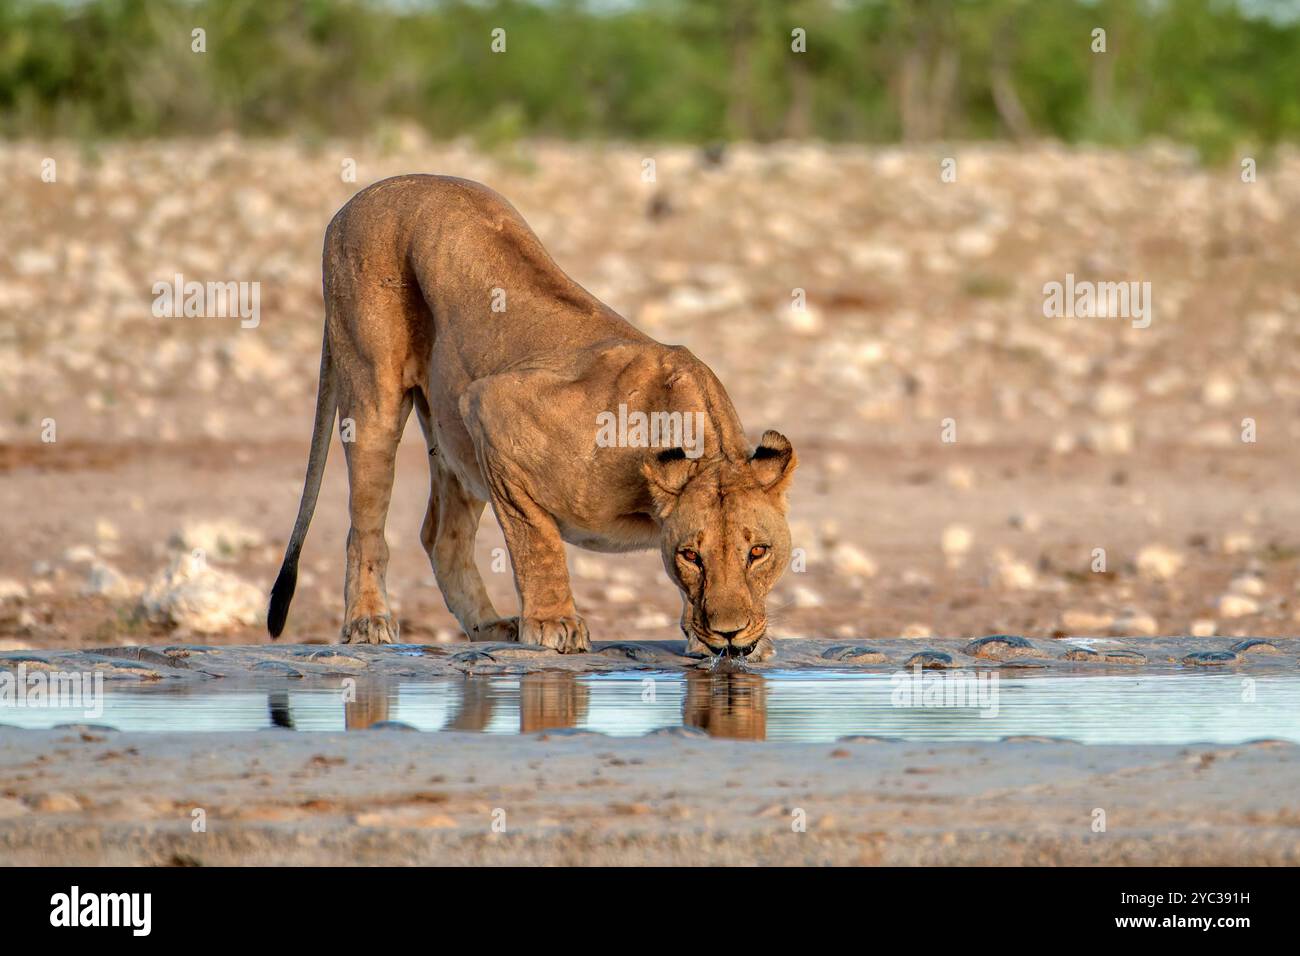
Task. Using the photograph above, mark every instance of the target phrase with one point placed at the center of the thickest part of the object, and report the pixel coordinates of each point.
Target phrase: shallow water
(795, 706)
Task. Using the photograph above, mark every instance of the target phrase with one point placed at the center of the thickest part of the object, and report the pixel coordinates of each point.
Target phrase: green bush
(1213, 73)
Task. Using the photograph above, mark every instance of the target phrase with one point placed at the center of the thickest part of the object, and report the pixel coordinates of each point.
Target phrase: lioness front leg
(547, 615)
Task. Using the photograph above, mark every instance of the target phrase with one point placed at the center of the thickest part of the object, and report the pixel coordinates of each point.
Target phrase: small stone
(588, 568)
(633, 652)
(192, 594)
(852, 562)
(956, 543)
(1218, 391)
(219, 538)
(1156, 562)
(1104, 656)
(1255, 646)
(916, 632)
(1210, 658)
(929, 660)
(79, 554)
(1113, 399)
(1238, 542)
(1237, 605)
(960, 478)
(806, 597)
(854, 654)
(620, 594)
(1135, 624)
(11, 590)
(1111, 438)
(278, 668)
(1247, 584)
(106, 581)
(1015, 575)
(1000, 647)
(1204, 627)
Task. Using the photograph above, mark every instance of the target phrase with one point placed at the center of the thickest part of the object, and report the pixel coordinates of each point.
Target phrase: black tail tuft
(281, 595)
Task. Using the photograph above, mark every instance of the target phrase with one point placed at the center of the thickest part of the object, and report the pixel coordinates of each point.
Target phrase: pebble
(1116, 656)
(1015, 575)
(620, 594)
(1000, 647)
(1135, 624)
(1237, 605)
(106, 581)
(806, 597)
(929, 660)
(956, 543)
(1157, 562)
(1255, 646)
(851, 561)
(854, 654)
(192, 594)
(217, 538)
(1247, 584)
(1210, 658)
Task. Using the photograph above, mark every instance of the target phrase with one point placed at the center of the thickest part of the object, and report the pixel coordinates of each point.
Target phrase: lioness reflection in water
(546, 702)
(723, 705)
(726, 705)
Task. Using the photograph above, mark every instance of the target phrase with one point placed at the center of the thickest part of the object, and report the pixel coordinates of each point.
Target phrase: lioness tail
(282, 591)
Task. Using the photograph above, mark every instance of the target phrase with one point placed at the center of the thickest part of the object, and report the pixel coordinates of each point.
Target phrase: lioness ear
(774, 462)
(667, 474)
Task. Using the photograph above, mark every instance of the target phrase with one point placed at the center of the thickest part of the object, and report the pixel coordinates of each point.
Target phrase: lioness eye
(690, 555)
(757, 551)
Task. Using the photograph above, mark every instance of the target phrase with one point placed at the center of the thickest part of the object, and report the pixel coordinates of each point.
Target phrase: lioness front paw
(568, 635)
(376, 629)
(763, 650)
(502, 629)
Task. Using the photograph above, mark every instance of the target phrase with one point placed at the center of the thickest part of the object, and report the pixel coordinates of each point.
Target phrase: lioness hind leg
(371, 454)
(450, 526)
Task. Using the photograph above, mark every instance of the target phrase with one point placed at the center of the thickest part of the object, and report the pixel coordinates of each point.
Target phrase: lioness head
(725, 540)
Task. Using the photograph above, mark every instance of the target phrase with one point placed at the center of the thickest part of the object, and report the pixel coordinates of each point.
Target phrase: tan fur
(508, 401)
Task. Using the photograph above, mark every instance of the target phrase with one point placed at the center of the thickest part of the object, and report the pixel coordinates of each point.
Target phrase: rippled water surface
(1220, 708)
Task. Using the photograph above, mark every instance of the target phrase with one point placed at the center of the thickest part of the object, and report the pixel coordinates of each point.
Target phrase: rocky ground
(924, 304)
(86, 798)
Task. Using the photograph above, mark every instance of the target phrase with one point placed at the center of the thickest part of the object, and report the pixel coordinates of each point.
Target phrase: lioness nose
(727, 631)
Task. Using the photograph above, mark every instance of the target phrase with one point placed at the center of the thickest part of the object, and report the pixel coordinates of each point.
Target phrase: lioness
(439, 297)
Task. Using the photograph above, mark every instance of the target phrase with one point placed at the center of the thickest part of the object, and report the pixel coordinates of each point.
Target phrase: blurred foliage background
(1221, 75)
